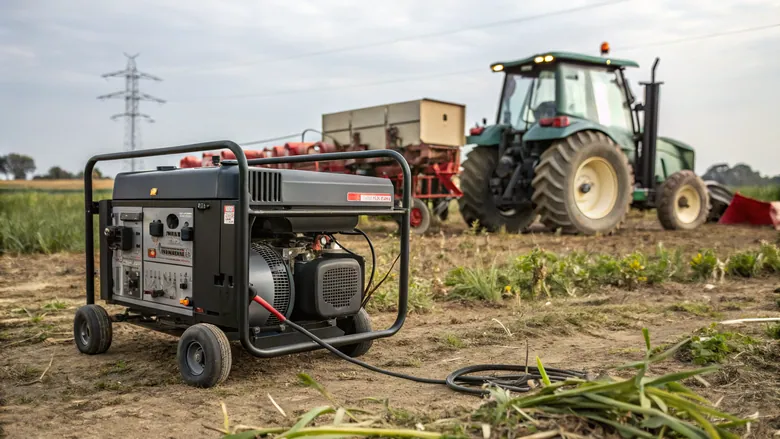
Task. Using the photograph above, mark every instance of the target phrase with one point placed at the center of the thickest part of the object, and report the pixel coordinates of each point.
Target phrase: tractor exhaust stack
(646, 157)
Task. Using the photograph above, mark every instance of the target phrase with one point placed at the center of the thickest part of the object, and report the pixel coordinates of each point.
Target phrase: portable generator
(193, 252)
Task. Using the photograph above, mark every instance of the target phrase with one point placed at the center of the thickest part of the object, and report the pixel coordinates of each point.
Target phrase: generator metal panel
(286, 187)
(322, 189)
(168, 248)
(166, 284)
(126, 265)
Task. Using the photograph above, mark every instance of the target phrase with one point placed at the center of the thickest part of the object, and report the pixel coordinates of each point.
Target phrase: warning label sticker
(375, 198)
(230, 214)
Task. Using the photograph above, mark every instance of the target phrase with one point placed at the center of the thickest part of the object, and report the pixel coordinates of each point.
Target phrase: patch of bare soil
(49, 389)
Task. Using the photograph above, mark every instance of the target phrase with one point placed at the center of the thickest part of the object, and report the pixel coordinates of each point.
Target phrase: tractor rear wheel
(583, 184)
(683, 201)
(477, 204)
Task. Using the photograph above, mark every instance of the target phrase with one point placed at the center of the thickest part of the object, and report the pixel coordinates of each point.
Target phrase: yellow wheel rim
(595, 188)
(687, 204)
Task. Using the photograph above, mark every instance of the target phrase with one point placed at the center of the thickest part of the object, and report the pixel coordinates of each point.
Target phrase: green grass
(541, 274)
(764, 193)
(39, 222)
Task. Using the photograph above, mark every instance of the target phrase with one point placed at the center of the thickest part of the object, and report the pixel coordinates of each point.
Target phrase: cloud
(719, 94)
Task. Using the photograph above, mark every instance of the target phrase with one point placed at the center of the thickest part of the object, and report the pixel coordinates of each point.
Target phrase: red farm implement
(428, 133)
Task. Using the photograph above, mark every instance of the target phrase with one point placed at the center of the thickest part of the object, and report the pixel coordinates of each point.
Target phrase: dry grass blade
(40, 378)
(277, 405)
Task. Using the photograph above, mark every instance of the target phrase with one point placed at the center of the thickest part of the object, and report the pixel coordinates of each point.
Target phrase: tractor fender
(490, 136)
(539, 133)
(684, 152)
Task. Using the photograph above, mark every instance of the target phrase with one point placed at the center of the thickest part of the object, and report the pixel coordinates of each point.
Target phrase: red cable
(270, 308)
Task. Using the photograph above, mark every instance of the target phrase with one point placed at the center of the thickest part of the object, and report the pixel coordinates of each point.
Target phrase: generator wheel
(92, 329)
(358, 324)
(477, 204)
(583, 184)
(683, 201)
(204, 355)
(419, 217)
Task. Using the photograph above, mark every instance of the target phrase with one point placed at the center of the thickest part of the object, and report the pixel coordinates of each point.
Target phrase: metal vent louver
(281, 278)
(265, 186)
(340, 285)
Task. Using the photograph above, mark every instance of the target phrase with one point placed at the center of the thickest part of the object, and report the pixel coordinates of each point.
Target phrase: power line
(703, 37)
(132, 96)
(421, 36)
(272, 139)
(463, 72)
(339, 87)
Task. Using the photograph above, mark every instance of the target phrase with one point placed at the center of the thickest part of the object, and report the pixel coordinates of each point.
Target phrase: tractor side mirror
(484, 121)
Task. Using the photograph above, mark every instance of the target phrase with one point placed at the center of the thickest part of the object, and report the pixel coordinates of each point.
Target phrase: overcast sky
(242, 70)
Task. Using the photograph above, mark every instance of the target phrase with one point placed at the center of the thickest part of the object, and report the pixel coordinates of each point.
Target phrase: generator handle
(90, 209)
(403, 287)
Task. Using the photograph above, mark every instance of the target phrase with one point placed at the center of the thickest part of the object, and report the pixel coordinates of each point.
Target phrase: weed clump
(773, 331)
(709, 345)
(479, 283)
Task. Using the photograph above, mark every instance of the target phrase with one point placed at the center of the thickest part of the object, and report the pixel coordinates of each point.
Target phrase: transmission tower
(132, 97)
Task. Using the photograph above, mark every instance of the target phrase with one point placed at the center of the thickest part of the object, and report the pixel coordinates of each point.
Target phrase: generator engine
(168, 250)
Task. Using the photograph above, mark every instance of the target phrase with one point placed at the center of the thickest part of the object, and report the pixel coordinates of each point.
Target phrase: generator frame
(245, 217)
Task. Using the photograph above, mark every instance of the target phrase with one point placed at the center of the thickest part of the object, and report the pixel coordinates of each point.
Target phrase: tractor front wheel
(683, 201)
(583, 184)
(477, 203)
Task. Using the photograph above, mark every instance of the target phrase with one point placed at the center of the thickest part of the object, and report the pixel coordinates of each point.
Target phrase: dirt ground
(134, 390)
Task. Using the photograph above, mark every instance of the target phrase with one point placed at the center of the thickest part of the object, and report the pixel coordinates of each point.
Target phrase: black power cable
(459, 380)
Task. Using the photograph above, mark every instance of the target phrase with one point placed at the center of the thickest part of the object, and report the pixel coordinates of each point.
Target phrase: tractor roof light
(539, 59)
(498, 67)
(604, 48)
(548, 58)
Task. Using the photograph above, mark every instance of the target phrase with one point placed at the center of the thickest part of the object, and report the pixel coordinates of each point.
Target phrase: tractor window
(542, 98)
(575, 95)
(526, 99)
(513, 99)
(611, 105)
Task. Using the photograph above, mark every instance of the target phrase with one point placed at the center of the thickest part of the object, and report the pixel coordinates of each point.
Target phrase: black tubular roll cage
(242, 223)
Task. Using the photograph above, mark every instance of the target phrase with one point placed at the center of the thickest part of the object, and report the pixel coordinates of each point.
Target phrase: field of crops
(573, 302)
(53, 185)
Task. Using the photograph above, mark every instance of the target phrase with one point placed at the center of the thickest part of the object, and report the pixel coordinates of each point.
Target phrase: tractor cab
(555, 89)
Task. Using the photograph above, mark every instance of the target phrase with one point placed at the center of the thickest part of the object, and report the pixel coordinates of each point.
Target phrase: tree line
(19, 166)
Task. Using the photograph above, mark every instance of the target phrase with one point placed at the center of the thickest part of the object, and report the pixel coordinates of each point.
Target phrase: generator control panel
(152, 254)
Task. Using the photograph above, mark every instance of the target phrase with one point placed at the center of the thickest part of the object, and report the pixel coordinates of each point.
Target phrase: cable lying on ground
(459, 380)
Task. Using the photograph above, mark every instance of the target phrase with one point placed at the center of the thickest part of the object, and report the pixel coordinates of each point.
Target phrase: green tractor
(569, 147)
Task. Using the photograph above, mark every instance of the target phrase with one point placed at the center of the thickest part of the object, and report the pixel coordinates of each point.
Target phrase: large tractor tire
(683, 201)
(477, 205)
(583, 185)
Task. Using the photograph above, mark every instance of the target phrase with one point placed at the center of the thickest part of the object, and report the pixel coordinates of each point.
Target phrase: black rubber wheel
(583, 185)
(419, 217)
(477, 203)
(204, 355)
(358, 324)
(683, 201)
(720, 199)
(92, 329)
